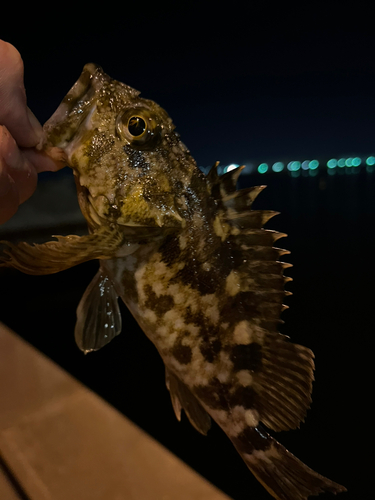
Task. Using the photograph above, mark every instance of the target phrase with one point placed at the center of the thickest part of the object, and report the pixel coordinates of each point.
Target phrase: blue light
(313, 164)
(278, 166)
(293, 166)
(263, 167)
(332, 163)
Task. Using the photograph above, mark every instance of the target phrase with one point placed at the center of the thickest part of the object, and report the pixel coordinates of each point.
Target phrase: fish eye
(139, 127)
(136, 126)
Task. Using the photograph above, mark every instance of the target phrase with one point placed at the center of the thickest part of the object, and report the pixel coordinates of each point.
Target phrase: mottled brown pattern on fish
(182, 353)
(160, 304)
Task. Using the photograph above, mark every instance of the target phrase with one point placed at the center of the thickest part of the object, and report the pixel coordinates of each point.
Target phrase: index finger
(14, 112)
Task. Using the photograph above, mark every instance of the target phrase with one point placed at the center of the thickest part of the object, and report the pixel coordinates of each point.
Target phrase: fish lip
(61, 127)
(82, 85)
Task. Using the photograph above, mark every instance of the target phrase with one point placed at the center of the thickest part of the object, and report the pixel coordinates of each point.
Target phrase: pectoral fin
(98, 314)
(183, 398)
(66, 252)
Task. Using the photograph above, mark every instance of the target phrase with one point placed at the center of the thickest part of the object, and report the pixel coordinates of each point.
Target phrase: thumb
(14, 112)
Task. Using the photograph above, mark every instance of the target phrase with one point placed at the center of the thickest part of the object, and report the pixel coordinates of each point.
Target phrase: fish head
(130, 165)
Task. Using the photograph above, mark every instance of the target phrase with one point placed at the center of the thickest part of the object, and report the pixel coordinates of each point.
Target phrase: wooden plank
(62, 441)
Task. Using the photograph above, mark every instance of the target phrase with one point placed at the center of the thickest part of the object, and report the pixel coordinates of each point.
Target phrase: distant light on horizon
(332, 163)
(295, 168)
(263, 168)
(230, 167)
(278, 166)
(313, 164)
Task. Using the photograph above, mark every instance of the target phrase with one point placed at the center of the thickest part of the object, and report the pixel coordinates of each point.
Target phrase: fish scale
(193, 263)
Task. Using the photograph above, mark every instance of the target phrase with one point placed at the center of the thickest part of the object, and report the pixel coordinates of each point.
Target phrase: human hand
(20, 132)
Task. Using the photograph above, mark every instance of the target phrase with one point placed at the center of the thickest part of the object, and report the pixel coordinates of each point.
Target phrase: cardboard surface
(60, 440)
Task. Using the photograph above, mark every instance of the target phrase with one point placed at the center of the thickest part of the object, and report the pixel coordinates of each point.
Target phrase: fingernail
(36, 126)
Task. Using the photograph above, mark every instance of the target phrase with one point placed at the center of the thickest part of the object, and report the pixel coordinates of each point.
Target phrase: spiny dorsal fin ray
(236, 204)
(183, 398)
(242, 199)
(213, 176)
(228, 181)
(261, 236)
(223, 185)
(249, 219)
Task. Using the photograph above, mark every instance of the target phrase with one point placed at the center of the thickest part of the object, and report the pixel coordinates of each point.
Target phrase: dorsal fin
(221, 186)
(235, 203)
(282, 386)
(243, 198)
(213, 175)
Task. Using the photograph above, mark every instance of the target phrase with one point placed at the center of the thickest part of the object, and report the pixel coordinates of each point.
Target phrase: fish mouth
(60, 129)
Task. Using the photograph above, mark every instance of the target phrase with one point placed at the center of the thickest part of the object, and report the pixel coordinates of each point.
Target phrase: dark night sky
(241, 84)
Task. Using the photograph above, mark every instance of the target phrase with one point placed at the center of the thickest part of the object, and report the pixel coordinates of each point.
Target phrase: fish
(192, 261)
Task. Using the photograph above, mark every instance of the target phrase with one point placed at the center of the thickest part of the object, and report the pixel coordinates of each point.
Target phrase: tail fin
(281, 473)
